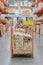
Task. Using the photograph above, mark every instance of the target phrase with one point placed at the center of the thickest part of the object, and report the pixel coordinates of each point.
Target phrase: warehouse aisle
(4, 49)
(5, 58)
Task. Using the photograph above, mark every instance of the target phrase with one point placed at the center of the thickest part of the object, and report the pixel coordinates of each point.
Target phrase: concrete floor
(5, 58)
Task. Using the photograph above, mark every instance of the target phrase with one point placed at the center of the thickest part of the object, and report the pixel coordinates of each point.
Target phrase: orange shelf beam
(2, 10)
(38, 1)
(19, 6)
(39, 11)
(12, 7)
(25, 6)
(4, 2)
(41, 20)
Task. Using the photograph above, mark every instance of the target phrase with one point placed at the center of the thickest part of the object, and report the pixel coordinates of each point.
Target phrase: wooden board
(11, 44)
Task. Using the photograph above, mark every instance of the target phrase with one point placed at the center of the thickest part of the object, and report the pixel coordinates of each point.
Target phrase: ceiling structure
(12, 1)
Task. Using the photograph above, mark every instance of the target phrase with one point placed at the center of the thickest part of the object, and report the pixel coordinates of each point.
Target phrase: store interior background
(8, 13)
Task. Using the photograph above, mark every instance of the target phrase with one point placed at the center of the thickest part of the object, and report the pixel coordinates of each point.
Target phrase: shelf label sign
(29, 22)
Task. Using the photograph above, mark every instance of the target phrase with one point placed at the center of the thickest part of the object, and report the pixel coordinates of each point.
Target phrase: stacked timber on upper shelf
(39, 19)
(2, 20)
(4, 2)
(3, 10)
(37, 2)
(40, 11)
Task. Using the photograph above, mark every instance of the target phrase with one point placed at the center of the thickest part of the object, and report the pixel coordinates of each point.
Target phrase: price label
(29, 22)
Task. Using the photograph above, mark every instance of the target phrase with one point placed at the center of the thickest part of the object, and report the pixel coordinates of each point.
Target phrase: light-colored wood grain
(11, 44)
